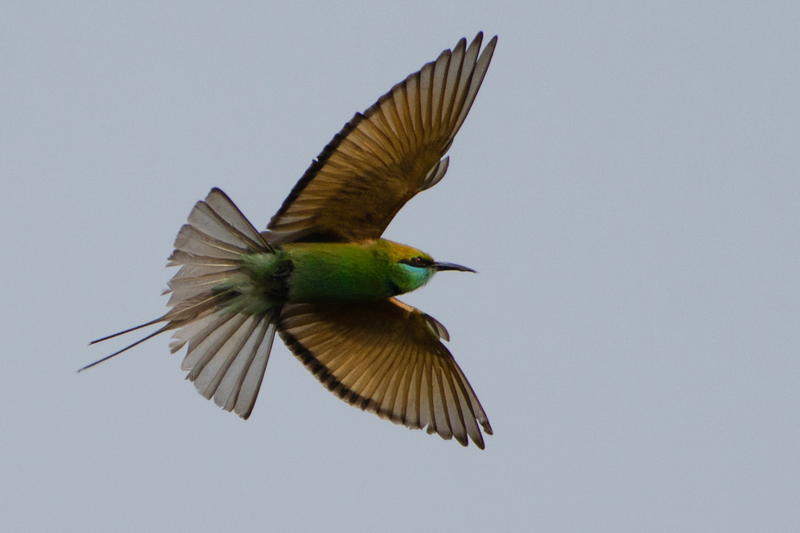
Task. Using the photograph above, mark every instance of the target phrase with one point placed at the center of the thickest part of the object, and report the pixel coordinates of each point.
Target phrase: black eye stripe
(418, 261)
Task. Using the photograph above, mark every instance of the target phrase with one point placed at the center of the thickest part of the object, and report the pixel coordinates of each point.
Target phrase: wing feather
(440, 69)
(451, 83)
(475, 80)
(404, 385)
(385, 156)
(386, 358)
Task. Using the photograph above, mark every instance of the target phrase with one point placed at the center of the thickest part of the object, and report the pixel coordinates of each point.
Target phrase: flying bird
(322, 277)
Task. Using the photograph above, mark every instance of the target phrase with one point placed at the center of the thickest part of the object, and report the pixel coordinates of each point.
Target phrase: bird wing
(386, 357)
(386, 155)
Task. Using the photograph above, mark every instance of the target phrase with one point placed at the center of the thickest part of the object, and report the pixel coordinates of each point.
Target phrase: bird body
(322, 277)
(353, 272)
(325, 273)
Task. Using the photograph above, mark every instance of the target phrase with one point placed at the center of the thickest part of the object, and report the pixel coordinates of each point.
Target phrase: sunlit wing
(386, 155)
(387, 358)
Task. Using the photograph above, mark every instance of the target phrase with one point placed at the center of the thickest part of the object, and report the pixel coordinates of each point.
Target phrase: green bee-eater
(322, 277)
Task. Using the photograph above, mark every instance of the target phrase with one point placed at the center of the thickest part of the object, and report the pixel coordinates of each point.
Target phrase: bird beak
(451, 266)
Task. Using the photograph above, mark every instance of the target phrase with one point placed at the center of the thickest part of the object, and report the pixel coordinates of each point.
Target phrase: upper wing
(382, 158)
(386, 357)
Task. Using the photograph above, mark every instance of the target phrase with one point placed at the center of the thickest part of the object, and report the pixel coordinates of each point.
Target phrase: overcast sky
(627, 184)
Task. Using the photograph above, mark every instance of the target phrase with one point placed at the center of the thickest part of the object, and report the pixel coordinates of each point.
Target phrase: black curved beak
(451, 266)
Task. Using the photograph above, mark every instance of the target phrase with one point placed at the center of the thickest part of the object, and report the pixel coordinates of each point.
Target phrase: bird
(322, 277)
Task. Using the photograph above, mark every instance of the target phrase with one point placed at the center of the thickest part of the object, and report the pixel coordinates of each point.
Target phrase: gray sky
(626, 185)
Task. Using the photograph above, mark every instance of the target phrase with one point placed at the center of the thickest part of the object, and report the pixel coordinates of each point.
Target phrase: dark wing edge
(275, 235)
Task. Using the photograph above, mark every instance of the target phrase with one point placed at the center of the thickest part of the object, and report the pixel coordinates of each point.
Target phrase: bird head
(412, 268)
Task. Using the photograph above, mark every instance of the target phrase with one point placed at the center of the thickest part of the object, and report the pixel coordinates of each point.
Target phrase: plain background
(627, 185)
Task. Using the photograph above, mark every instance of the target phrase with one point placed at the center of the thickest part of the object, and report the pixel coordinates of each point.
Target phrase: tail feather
(230, 366)
(191, 309)
(189, 332)
(215, 367)
(194, 241)
(125, 349)
(228, 352)
(227, 212)
(235, 230)
(184, 259)
(245, 389)
(123, 332)
(209, 345)
(189, 287)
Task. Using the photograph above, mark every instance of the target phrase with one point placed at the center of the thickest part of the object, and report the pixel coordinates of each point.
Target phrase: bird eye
(418, 262)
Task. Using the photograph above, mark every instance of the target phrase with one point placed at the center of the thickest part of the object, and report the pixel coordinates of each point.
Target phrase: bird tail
(228, 351)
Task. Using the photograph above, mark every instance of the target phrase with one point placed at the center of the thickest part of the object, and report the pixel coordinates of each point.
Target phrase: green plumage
(321, 277)
(347, 273)
(324, 273)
